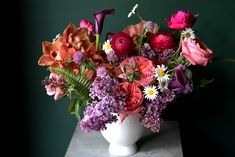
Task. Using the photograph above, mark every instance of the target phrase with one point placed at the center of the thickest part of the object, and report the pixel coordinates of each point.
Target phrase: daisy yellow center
(108, 47)
(161, 73)
(188, 35)
(150, 92)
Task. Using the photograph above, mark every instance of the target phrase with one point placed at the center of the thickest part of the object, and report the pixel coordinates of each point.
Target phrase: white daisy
(132, 11)
(188, 33)
(163, 86)
(160, 73)
(107, 47)
(150, 92)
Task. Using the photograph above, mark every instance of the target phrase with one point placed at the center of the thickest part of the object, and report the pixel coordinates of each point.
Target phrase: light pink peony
(181, 20)
(87, 24)
(196, 52)
(133, 100)
(52, 90)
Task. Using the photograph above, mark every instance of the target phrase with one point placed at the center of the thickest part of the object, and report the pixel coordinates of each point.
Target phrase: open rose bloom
(139, 70)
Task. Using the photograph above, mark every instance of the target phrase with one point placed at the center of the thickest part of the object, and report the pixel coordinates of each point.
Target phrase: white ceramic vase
(122, 137)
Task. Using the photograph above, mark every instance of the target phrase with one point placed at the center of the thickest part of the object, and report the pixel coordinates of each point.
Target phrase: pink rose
(162, 41)
(196, 52)
(52, 89)
(181, 20)
(134, 98)
(87, 24)
(122, 43)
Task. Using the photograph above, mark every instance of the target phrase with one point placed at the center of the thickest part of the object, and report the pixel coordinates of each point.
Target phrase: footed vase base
(122, 150)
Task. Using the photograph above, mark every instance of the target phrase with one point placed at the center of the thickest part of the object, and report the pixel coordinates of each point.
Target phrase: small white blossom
(150, 92)
(188, 33)
(132, 11)
(160, 73)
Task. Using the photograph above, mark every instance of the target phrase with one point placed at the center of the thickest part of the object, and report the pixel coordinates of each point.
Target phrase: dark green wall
(206, 116)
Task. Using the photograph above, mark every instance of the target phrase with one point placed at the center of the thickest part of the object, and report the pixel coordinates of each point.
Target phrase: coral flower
(143, 65)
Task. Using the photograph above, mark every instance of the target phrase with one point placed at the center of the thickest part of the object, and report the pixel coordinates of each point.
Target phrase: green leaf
(82, 68)
(71, 107)
(78, 84)
(189, 74)
(180, 59)
(77, 110)
(136, 75)
(205, 82)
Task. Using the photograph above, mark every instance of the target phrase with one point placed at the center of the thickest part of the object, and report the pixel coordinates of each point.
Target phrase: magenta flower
(87, 24)
(181, 20)
(99, 19)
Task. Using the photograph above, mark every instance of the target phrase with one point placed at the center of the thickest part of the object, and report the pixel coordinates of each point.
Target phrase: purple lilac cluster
(151, 113)
(98, 114)
(164, 57)
(103, 84)
(105, 102)
(147, 52)
(113, 58)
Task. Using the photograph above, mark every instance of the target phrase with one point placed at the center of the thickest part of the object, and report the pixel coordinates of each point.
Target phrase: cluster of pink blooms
(140, 69)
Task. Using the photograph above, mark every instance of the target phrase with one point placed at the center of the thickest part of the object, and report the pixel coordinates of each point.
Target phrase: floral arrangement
(139, 70)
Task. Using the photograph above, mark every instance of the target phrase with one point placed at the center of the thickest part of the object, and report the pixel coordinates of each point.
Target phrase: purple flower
(105, 102)
(78, 57)
(103, 84)
(113, 58)
(99, 19)
(150, 26)
(151, 113)
(180, 83)
(98, 114)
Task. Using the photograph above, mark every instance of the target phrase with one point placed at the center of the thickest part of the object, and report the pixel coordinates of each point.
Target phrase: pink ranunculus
(181, 20)
(162, 41)
(52, 90)
(196, 52)
(87, 24)
(133, 100)
(122, 43)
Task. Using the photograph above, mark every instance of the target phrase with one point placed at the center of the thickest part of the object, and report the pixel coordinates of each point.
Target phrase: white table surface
(167, 143)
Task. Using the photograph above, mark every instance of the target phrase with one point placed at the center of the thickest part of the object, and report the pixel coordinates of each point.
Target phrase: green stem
(178, 49)
(141, 19)
(97, 42)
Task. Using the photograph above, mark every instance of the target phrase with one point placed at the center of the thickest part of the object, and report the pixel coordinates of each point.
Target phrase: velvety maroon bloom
(181, 20)
(87, 24)
(180, 82)
(162, 41)
(99, 19)
(122, 43)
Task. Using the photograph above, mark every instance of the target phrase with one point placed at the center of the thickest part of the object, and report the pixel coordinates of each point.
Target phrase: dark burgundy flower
(99, 19)
(180, 83)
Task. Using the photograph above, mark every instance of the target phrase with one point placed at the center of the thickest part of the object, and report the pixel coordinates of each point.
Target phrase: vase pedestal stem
(122, 150)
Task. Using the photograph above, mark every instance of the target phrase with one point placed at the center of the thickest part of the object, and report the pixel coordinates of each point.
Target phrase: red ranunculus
(133, 100)
(181, 20)
(122, 43)
(162, 41)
